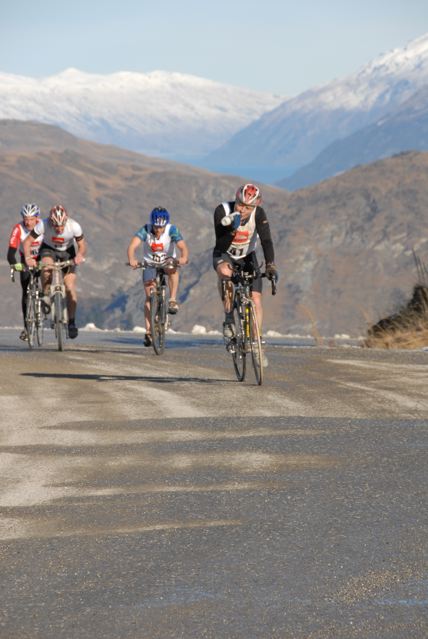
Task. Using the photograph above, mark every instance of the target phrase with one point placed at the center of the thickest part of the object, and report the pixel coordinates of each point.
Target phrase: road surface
(156, 497)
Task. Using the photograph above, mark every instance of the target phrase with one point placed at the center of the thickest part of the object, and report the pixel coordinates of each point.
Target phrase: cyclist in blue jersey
(160, 240)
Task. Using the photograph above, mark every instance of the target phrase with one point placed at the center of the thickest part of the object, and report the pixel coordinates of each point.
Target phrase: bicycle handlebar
(239, 270)
(143, 265)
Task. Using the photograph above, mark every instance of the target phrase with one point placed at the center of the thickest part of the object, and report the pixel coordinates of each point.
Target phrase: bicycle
(158, 303)
(58, 300)
(34, 323)
(246, 338)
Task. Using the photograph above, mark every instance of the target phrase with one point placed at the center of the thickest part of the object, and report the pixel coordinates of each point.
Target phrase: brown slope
(343, 247)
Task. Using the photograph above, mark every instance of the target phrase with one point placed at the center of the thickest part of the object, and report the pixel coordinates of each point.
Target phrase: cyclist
(30, 214)
(237, 225)
(62, 240)
(160, 239)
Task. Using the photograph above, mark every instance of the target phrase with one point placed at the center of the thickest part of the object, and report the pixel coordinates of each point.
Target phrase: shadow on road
(128, 378)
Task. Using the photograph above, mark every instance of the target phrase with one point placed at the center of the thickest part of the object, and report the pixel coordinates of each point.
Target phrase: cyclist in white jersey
(30, 216)
(159, 239)
(62, 240)
(237, 226)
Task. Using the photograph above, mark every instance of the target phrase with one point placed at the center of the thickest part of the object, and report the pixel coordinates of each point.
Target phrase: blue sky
(270, 45)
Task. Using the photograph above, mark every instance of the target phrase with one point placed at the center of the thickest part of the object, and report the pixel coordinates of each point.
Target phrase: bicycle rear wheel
(157, 322)
(58, 323)
(30, 321)
(236, 347)
(253, 333)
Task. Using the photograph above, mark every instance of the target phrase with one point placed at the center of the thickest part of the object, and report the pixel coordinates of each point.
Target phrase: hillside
(343, 247)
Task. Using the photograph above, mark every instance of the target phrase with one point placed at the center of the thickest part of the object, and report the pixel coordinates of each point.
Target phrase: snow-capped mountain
(159, 113)
(297, 130)
(404, 129)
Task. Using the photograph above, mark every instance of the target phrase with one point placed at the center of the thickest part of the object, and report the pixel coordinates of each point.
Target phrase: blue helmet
(159, 217)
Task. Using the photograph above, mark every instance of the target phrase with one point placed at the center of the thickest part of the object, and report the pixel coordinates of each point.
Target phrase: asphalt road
(145, 497)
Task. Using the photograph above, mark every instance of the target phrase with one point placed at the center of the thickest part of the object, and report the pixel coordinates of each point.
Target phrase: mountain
(404, 129)
(291, 135)
(343, 247)
(159, 113)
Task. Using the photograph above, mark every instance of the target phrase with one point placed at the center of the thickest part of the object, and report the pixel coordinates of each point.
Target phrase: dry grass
(408, 328)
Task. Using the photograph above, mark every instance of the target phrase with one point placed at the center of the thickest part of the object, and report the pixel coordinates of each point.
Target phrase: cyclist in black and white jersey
(238, 225)
(62, 240)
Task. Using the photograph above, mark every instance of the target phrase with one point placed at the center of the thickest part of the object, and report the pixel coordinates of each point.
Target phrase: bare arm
(184, 252)
(26, 247)
(133, 245)
(81, 250)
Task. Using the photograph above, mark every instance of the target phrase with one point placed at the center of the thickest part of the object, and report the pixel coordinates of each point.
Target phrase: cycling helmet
(159, 217)
(248, 194)
(30, 210)
(58, 215)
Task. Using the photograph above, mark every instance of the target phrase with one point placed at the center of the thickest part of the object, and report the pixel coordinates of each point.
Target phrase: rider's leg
(257, 299)
(224, 272)
(71, 295)
(46, 274)
(148, 286)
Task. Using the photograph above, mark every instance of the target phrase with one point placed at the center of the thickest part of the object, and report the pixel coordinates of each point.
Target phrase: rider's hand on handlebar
(30, 261)
(271, 272)
(182, 261)
(18, 266)
(79, 259)
(133, 263)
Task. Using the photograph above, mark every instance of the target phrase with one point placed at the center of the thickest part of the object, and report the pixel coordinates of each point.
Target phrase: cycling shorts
(59, 256)
(251, 266)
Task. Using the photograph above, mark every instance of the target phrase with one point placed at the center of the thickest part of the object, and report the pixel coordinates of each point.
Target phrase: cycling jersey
(239, 239)
(17, 237)
(58, 241)
(157, 249)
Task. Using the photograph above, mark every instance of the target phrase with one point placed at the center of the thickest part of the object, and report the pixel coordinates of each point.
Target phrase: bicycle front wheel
(58, 323)
(157, 323)
(253, 333)
(236, 346)
(39, 321)
(30, 321)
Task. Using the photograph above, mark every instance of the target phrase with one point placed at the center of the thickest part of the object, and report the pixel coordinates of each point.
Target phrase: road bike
(58, 300)
(246, 337)
(159, 302)
(34, 319)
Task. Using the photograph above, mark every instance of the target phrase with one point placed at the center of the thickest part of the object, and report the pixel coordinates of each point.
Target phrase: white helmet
(30, 210)
(248, 194)
(58, 215)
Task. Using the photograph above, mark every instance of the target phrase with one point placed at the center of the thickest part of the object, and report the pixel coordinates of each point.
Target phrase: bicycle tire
(253, 333)
(58, 323)
(237, 346)
(39, 320)
(30, 320)
(157, 325)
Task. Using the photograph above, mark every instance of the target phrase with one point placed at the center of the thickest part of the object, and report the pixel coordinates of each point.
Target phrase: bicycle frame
(246, 339)
(59, 312)
(158, 305)
(34, 317)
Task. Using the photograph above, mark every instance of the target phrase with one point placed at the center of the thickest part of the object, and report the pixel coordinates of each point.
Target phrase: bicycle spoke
(59, 328)
(157, 326)
(255, 343)
(30, 320)
(236, 347)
